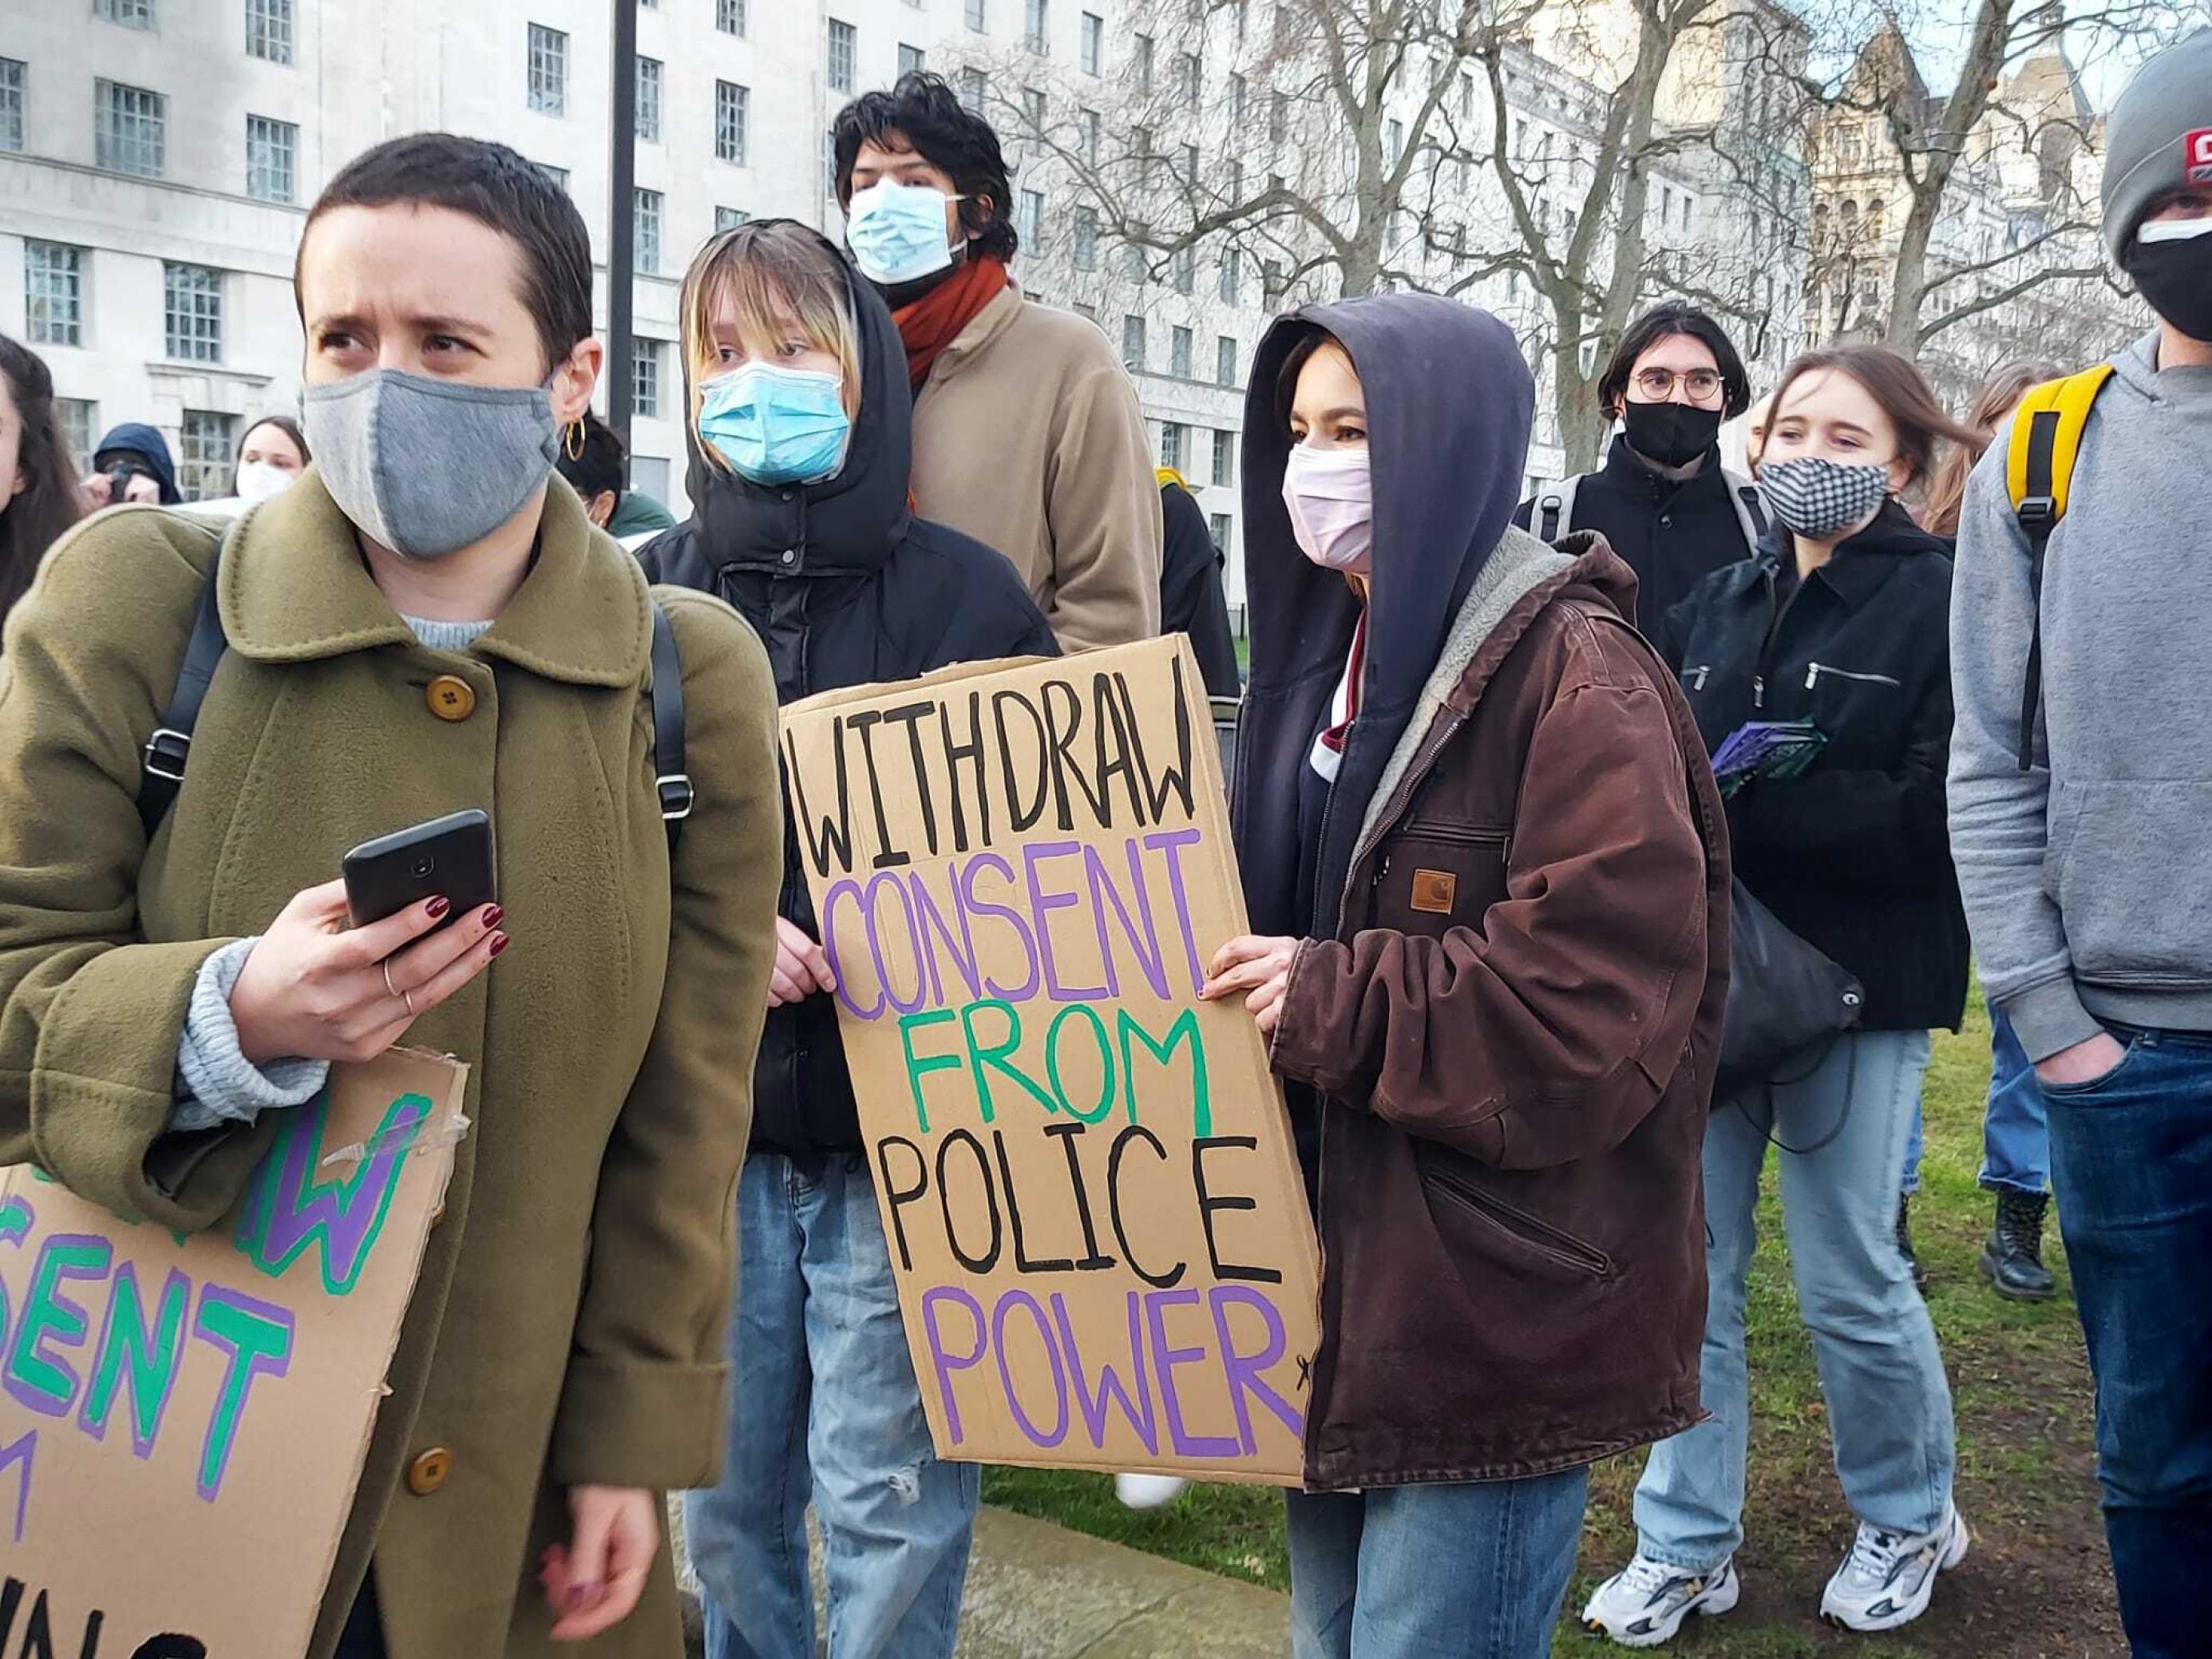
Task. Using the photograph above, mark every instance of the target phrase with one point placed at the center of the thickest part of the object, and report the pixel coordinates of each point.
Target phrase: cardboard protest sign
(1086, 1175)
(184, 1417)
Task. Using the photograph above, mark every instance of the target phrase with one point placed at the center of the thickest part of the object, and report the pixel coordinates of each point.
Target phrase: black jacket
(845, 588)
(1191, 599)
(1672, 533)
(1855, 855)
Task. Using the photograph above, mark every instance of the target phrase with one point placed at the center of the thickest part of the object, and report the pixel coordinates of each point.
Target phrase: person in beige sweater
(1027, 433)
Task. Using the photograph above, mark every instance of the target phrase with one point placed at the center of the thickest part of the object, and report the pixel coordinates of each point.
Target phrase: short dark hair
(600, 464)
(922, 114)
(1294, 362)
(495, 187)
(1674, 317)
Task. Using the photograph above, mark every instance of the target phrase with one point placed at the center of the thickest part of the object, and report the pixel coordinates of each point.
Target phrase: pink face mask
(1331, 499)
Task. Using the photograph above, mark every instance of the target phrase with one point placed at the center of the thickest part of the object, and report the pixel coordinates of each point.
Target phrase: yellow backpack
(2047, 437)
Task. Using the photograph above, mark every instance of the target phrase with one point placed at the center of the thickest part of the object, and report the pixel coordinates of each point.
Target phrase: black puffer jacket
(846, 587)
(1855, 855)
(1191, 599)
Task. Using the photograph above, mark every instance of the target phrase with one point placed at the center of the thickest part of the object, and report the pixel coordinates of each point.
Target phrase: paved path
(1039, 1591)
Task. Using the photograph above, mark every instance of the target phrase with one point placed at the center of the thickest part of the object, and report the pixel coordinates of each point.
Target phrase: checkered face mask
(1816, 497)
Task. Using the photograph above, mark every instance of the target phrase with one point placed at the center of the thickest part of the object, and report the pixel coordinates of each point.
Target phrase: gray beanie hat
(2158, 137)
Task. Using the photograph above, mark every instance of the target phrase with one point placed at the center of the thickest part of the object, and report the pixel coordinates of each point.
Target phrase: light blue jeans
(1889, 1405)
(2015, 1142)
(1462, 1571)
(822, 1402)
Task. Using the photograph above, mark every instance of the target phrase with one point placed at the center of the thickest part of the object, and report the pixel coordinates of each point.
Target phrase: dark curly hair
(1672, 316)
(922, 114)
(35, 518)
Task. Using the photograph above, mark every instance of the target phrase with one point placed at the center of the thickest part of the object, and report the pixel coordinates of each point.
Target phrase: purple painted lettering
(1028, 1304)
(1138, 1411)
(1042, 904)
(1246, 1373)
(849, 889)
(1170, 843)
(942, 1362)
(1165, 1358)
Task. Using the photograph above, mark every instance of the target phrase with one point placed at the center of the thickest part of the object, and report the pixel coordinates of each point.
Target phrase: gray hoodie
(2088, 880)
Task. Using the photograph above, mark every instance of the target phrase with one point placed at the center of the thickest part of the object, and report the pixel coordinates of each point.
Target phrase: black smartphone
(449, 855)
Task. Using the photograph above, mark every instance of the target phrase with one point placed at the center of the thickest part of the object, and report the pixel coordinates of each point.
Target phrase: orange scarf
(934, 321)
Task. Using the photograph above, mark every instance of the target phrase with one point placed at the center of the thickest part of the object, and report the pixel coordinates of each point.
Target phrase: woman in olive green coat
(560, 1364)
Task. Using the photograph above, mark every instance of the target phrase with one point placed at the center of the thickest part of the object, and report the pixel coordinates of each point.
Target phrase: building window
(11, 103)
(268, 30)
(1029, 224)
(556, 177)
(1142, 64)
(911, 59)
(729, 218)
(976, 19)
(648, 100)
(1092, 130)
(1279, 118)
(1236, 103)
(1187, 79)
(730, 16)
(1232, 276)
(133, 130)
(1221, 526)
(1186, 270)
(1094, 44)
(1394, 142)
(733, 108)
(1033, 112)
(1132, 342)
(549, 71)
(1225, 360)
(1033, 27)
(203, 457)
(1224, 457)
(131, 14)
(844, 49)
(975, 89)
(1179, 353)
(270, 147)
(645, 380)
(645, 254)
(1086, 238)
(192, 313)
(53, 293)
(79, 419)
(1271, 280)
(1171, 444)
(1190, 168)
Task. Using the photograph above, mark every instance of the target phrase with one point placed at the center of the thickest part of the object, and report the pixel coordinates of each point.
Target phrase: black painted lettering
(1068, 705)
(1111, 734)
(989, 1259)
(1023, 816)
(836, 835)
(910, 715)
(898, 1197)
(1134, 1131)
(972, 752)
(1067, 1134)
(1171, 780)
(865, 723)
(1058, 1264)
(1207, 1204)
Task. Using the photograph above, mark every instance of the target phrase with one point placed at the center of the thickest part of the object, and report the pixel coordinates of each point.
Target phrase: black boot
(1905, 1241)
(2013, 1259)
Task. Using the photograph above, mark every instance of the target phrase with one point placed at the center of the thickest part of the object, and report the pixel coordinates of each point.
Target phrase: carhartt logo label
(2197, 156)
(1434, 890)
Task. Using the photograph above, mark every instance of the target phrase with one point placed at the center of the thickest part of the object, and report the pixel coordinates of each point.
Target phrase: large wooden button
(451, 698)
(429, 1471)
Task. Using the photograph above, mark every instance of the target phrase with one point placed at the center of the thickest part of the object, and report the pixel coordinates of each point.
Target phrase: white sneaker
(1148, 1492)
(1887, 1579)
(1645, 1602)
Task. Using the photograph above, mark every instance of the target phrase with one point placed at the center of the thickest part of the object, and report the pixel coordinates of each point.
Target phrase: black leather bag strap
(670, 780)
(162, 763)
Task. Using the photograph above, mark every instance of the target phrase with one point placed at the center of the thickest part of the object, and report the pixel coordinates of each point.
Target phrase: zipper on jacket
(1536, 1233)
(1695, 678)
(1813, 672)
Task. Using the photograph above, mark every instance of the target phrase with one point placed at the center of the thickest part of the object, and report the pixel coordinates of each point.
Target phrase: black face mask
(1673, 434)
(2176, 279)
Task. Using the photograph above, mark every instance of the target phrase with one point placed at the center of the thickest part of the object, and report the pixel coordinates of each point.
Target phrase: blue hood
(144, 441)
(1450, 407)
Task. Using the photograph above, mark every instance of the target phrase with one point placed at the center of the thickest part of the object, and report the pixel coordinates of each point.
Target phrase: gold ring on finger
(409, 1000)
(390, 988)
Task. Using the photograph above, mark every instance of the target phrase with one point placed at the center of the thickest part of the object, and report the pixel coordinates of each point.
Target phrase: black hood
(135, 438)
(1450, 407)
(845, 525)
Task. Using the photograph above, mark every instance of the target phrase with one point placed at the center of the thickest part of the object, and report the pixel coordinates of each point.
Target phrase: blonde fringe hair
(759, 272)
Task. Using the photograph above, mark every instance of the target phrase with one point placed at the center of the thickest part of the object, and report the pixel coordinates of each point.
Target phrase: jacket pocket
(1530, 1239)
(2120, 862)
(1434, 875)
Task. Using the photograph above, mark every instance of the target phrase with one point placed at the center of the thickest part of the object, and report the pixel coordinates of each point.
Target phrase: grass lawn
(2037, 1585)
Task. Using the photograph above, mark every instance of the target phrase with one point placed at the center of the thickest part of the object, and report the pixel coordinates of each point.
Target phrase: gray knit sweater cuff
(215, 1082)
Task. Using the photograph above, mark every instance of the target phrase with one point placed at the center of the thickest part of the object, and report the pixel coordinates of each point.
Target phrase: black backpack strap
(670, 779)
(162, 763)
(2038, 515)
(1547, 516)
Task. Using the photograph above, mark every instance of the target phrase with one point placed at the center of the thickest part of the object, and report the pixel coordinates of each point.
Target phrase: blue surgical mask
(896, 232)
(777, 425)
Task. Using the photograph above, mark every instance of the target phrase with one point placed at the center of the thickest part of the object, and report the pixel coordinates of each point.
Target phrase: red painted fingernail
(498, 943)
(438, 907)
(492, 915)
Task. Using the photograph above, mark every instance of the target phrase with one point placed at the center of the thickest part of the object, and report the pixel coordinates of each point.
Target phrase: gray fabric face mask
(427, 467)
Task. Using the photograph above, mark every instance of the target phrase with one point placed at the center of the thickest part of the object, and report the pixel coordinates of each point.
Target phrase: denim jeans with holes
(823, 1407)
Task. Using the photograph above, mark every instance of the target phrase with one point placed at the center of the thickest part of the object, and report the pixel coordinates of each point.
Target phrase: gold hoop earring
(572, 440)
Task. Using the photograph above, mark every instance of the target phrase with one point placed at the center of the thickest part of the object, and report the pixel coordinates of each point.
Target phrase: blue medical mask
(777, 425)
(896, 232)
